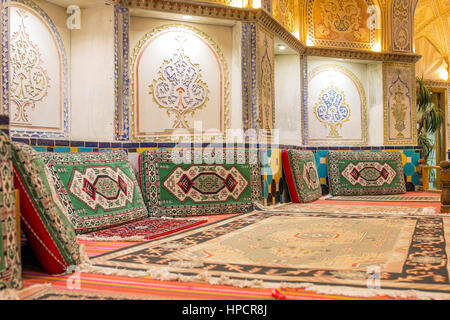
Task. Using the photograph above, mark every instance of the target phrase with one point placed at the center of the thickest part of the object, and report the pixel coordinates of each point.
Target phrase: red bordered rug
(142, 230)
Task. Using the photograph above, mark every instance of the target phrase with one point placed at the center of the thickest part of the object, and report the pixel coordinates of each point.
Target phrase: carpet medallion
(275, 249)
(142, 230)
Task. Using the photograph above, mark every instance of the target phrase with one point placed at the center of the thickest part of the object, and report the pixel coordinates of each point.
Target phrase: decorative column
(445, 181)
(258, 99)
(402, 25)
(121, 73)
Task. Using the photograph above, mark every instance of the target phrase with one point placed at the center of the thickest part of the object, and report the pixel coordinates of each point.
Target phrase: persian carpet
(99, 189)
(277, 249)
(144, 229)
(301, 175)
(177, 187)
(365, 173)
(352, 209)
(384, 198)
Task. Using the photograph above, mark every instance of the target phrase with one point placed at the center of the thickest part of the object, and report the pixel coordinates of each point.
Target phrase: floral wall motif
(402, 25)
(29, 80)
(37, 82)
(399, 104)
(340, 23)
(284, 12)
(266, 99)
(336, 107)
(179, 77)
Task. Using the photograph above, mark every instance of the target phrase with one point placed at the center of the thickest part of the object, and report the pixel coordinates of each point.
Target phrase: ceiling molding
(214, 10)
(362, 55)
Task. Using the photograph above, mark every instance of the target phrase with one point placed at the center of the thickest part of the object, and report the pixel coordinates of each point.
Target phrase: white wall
(375, 103)
(288, 108)
(92, 82)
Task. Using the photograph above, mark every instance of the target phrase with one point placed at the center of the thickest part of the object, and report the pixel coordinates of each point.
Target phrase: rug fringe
(261, 207)
(424, 211)
(9, 294)
(164, 274)
(114, 238)
(15, 294)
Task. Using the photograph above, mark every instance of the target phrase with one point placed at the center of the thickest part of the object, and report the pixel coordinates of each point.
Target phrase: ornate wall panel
(121, 73)
(336, 109)
(266, 4)
(249, 85)
(265, 71)
(399, 104)
(179, 75)
(284, 12)
(402, 20)
(340, 23)
(38, 74)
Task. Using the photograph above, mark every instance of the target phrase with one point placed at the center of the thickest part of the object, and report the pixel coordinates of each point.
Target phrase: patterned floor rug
(353, 209)
(142, 230)
(385, 198)
(336, 253)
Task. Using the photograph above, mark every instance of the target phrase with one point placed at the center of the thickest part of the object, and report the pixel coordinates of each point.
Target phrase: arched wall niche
(179, 85)
(38, 74)
(336, 107)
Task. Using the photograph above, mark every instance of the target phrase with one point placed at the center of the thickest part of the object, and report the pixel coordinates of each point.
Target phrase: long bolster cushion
(301, 175)
(189, 186)
(99, 189)
(44, 219)
(365, 173)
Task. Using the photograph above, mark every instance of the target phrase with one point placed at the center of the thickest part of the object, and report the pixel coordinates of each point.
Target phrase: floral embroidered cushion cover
(10, 265)
(301, 175)
(175, 187)
(44, 219)
(365, 173)
(99, 189)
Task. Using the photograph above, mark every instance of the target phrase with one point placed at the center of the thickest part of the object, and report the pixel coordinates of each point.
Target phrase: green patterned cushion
(10, 266)
(99, 189)
(199, 189)
(44, 218)
(301, 175)
(360, 173)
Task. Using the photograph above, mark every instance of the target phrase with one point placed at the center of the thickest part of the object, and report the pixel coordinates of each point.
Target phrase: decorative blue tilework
(249, 74)
(121, 77)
